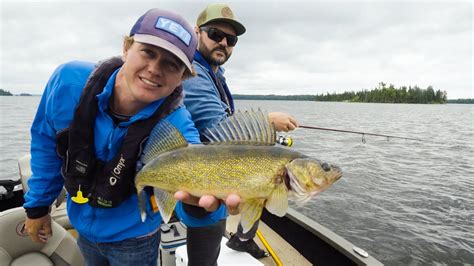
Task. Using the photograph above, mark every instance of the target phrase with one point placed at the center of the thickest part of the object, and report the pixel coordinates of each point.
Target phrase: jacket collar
(220, 71)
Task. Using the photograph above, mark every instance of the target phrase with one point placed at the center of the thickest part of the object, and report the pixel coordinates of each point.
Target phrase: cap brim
(239, 28)
(162, 43)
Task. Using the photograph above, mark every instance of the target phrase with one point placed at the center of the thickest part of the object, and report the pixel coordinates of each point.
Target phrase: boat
(11, 194)
(291, 240)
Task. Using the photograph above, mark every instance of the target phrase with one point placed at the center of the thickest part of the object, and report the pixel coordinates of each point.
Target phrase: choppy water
(405, 202)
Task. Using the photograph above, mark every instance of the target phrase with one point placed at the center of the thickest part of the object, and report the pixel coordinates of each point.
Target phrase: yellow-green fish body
(250, 171)
(242, 159)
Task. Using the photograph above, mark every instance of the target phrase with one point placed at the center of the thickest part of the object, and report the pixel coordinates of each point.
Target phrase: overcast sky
(290, 47)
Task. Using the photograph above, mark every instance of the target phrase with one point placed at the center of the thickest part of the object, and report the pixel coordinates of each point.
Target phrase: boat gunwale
(328, 236)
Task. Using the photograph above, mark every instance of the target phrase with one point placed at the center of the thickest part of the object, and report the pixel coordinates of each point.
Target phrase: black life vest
(105, 184)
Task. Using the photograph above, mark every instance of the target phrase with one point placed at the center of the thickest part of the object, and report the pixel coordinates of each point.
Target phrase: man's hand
(282, 121)
(209, 202)
(39, 229)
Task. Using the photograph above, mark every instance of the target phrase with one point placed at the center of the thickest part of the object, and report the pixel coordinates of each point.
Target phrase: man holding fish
(89, 128)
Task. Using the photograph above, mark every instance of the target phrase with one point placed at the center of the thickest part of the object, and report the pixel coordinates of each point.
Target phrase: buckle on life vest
(79, 199)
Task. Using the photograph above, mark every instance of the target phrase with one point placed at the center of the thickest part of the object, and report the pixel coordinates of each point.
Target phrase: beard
(214, 60)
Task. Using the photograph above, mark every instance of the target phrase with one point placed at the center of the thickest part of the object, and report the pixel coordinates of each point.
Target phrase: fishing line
(363, 133)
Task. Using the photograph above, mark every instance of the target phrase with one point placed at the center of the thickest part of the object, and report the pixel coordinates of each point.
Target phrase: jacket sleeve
(46, 181)
(191, 215)
(203, 101)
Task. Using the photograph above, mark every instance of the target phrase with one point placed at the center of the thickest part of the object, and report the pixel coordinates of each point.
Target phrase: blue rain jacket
(55, 112)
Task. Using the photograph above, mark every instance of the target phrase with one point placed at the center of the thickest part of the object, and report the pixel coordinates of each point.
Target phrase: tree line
(389, 94)
(382, 94)
(5, 93)
(275, 97)
(467, 100)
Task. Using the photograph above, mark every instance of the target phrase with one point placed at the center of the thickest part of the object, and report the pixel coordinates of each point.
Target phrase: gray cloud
(289, 48)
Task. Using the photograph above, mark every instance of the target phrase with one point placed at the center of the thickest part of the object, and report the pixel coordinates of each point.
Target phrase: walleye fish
(241, 158)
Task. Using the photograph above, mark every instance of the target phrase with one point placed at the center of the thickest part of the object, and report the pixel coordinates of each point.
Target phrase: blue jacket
(202, 97)
(55, 113)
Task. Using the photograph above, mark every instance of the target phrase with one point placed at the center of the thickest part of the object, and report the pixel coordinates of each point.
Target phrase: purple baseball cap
(169, 31)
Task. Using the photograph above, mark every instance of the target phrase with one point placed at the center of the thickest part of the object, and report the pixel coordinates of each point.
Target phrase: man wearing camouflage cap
(209, 100)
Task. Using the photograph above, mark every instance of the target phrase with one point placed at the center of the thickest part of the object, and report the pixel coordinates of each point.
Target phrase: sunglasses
(217, 36)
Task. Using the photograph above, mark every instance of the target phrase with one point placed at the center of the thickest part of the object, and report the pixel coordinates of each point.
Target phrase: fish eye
(326, 167)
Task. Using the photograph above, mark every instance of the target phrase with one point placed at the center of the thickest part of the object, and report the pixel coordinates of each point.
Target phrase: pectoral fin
(250, 212)
(277, 203)
(166, 203)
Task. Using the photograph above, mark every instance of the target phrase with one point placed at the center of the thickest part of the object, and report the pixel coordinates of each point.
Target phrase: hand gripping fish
(241, 158)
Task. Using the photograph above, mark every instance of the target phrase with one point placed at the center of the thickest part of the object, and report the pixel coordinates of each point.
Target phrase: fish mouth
(337, 172)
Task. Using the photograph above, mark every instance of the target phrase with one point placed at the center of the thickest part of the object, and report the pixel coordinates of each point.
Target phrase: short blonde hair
(128, 42)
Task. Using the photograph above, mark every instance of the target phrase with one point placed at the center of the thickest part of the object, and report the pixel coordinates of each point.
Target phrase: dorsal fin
(247, 127)
(164, 137)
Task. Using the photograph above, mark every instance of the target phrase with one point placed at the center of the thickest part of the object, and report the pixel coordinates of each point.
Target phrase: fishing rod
(288, 141)
(362, 133)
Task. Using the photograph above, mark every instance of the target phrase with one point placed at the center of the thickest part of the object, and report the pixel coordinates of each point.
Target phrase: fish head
(307, 177)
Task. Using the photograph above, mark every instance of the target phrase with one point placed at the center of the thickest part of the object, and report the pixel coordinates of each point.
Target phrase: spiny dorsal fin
(164, 137)
(247, 127)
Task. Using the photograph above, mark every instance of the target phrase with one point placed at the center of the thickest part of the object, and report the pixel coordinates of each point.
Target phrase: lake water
(404, 202)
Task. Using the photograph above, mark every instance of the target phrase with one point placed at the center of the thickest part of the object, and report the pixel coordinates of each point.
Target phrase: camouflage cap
(220, 12)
